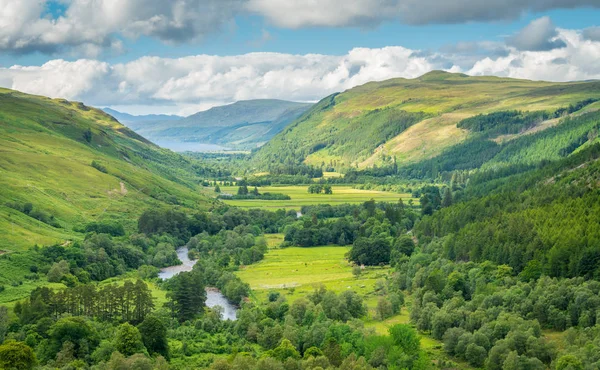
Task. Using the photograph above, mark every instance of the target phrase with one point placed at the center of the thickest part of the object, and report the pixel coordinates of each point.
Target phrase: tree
(27, 208)
(87, 135)
(384, 308)
(475, 355)
(371, 251)
(404, 245)
(187, 294)
(406, 337)
(243, 190)
(16, 355)
(75, 330)
(217, 188)
(333, 352)
(285, 350)
(356, 271)
(4, 321)
(154, 336)
(447, 200)
(569, 362)
(327, 189)
(58, 271)
(128, 340)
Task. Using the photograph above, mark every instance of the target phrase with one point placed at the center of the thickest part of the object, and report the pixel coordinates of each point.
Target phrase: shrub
(100, 167)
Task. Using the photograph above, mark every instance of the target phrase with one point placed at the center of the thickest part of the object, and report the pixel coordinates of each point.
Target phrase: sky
(182, 56)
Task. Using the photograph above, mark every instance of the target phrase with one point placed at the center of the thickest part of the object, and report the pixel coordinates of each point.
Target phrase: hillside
(242, 125)
(63, 164)
(408, 121)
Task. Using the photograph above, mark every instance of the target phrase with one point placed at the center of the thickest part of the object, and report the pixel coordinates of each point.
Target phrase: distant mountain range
(242, 125)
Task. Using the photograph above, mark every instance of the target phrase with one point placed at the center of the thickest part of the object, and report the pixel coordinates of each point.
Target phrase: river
(213, 296)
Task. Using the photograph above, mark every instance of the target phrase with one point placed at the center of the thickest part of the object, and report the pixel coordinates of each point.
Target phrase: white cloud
(576, 61)
(539, 35)
(186, 84)
(91, 27)
(592, 33)
(360, 13)
(205, 80)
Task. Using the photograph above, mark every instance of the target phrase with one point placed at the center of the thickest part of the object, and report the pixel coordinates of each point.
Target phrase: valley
(440, 222)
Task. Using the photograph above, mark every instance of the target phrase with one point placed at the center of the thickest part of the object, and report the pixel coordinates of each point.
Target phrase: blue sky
(247, 32)
(94, 53)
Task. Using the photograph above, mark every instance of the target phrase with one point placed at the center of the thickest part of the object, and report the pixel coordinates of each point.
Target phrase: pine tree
(447, 201)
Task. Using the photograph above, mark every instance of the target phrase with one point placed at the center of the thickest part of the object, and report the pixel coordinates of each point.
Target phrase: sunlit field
(300, 197)
(297, 271)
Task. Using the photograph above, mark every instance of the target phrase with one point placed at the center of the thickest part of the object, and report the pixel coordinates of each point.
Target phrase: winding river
(213, 296)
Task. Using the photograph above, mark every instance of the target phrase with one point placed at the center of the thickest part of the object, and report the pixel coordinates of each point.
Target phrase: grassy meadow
(296, 272)
(301, 197)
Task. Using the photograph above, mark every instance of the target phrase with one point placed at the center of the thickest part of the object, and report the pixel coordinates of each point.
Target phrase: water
(189, 146)
(213, 296)
(187, 265)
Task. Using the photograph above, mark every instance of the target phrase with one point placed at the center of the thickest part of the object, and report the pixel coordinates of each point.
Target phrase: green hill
(242, 125)
(408, 121)
(63, 164)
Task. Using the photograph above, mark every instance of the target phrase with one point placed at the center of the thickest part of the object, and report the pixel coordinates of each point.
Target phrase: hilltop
(64, 164)
(408, 121)
(241, 125)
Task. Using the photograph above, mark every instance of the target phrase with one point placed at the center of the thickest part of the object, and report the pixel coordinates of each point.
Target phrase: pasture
(300, 197)
(296, 272)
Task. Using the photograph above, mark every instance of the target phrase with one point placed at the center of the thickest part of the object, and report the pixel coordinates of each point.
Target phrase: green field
(304, 268)
(300, 197)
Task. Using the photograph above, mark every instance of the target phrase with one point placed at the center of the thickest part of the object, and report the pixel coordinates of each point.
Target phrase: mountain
(402, 122)
(63, 165)
(244, 125)
(137, 122)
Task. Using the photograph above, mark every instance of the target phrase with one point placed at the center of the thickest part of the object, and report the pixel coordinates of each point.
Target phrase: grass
(301, 197)
(45, 160)
(297, 271)
(346, 131)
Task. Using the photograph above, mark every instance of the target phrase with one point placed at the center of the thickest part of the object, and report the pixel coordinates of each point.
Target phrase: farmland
(300, 197)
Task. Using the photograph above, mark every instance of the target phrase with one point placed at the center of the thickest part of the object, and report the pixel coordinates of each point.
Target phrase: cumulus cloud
(592, 33)
(184, 85)
(539, 35)
(91, 27)
(576, 61)
(205, 80)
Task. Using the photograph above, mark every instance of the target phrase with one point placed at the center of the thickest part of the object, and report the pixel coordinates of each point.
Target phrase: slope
(63, 164)
(245, 124)
(408, 119)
